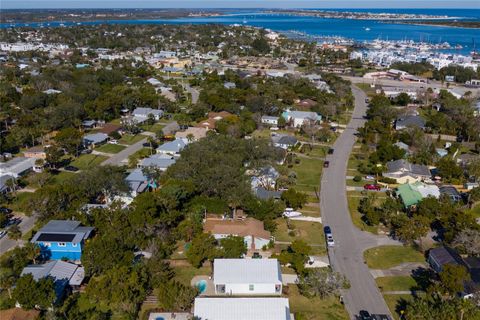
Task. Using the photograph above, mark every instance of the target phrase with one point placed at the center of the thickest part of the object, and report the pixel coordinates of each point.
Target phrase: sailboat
(244, 20)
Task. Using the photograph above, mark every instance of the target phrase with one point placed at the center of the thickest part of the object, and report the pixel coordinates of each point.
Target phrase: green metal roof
(409, 195)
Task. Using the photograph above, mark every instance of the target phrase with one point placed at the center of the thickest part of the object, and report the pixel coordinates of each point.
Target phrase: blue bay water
(348, 28)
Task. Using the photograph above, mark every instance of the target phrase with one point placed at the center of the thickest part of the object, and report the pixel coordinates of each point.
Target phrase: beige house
(195, 133)
(37, 152)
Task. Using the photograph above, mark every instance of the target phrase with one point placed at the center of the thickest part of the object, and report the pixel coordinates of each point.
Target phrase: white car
(330, 241)
(290, 213)
(113, 141)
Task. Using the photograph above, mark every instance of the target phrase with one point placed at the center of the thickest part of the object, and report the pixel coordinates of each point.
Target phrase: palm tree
(33, 251)
(7, 280)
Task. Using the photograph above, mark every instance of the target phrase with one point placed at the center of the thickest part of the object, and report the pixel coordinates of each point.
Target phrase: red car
(375, 187)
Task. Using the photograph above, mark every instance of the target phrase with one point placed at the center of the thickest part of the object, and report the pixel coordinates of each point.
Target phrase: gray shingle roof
(410, 121)
(406, 167)
(63, 227)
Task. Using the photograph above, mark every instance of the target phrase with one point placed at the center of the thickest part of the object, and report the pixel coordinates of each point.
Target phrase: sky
(52, 4)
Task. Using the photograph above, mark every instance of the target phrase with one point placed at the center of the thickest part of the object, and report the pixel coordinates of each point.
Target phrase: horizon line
(243, 8)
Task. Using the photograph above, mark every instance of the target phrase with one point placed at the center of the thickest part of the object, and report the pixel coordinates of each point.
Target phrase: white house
(143, 114)
(242, 309)
(247, 277)
(298, 118)
(17, 166)
(270, 120)
(172, 148)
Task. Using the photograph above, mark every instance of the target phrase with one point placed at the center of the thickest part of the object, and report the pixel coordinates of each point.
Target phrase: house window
(74, 244)
(62, 244)
(251, 287)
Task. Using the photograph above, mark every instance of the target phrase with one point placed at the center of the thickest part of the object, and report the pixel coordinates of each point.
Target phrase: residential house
(250, 229)
(299, 118)
(412, 194)
(441, 152)
(242, 309)
(265, 194)
(37, 152)
(62, 273)
(193, 133)
(213, 117)
(89, 124)
(172, 148)
(270, 120)
(229, 85)
(157, 161)
(138, 182)
(471, 185)
(451, 192)
(466, 158)
(404, 172)
(410, 121)
(17, 167)
(405, 147)
(4, 185)
(60, 239)
(94, 139)
(142, 114)
(266, 177)
(110, 128)
(19, 314)
(284, 141)
(441, 256)
(247, 277)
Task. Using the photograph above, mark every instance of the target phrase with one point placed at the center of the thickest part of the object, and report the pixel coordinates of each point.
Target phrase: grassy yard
(19, 203)
(316, 308)
(353, 199)
(386, 257)
(398, 283)
(475, 211)
(86, 161)
(131, 139)
(110, 148)
(310, 232)
(308, 172)
(317, 151)
(397, 302)
(61, 176)
(185, 274)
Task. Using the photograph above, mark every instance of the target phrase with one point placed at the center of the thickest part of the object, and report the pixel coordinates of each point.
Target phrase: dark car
(5, 210)
(330, 151)
(256, 255)
(326, 164)
(367, 100)
(381, 317)
(327, 230)
(71, 168)
(364, 315)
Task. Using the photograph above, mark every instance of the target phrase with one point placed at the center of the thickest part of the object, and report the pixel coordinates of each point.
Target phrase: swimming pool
(201, 285)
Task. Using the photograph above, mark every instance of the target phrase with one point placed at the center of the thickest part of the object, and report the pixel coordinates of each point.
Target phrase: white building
(299, 118)
(16, 167)
(247, 277)
(270, 120)
(242, 309)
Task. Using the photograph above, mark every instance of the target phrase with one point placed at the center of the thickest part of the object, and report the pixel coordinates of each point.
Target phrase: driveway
(121, 158)
(347, 255)
(26, 225)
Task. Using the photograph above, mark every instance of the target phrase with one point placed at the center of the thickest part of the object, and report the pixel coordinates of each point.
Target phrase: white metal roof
(246, 271)
(242, 309)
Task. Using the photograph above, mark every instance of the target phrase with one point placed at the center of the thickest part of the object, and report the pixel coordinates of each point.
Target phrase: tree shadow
(423, 278)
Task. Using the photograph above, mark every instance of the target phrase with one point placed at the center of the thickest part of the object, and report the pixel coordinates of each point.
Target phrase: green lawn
(308, 172)
(110, 148)
(386, 257)
(185, 274)
(62, 176)
(353, 202)
(20, 202)
(397, 302)
(316, 308)
(317, 151)
(86, 161)
(397, 283)
(475, 211)
(131, 139)
(310, 232)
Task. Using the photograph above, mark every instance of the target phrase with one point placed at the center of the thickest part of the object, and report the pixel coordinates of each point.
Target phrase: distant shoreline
(447, 24)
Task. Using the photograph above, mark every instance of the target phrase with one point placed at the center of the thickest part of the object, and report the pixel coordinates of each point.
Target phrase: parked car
(86, 151)
(364, 315)
(370, 186)
(13, 221)
(256, 255)
(3, 233)
(330, 150)
(326, 164)
(71, 168)
(327, 230)
(113, 141)
(330, 241)
(5, 210)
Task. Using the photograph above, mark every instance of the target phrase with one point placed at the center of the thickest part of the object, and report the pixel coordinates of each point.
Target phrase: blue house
(62, 239)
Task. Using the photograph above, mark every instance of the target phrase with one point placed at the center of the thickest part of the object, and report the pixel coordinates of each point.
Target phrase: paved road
(6, 243)
(347, 255)
(121, 158)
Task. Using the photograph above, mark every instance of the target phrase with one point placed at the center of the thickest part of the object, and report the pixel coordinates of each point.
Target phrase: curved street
(350, 243)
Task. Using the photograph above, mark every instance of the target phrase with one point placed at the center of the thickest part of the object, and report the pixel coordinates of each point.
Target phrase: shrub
(357, 178)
